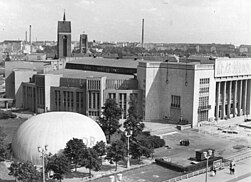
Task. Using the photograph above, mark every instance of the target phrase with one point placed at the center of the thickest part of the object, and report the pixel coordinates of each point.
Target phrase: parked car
(184, 142)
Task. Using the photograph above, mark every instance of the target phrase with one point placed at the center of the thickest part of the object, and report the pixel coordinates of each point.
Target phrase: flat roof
(69, 73)
(99, 61)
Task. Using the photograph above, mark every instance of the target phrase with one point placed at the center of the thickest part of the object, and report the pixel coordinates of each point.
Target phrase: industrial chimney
(30, 41)
(142, 41)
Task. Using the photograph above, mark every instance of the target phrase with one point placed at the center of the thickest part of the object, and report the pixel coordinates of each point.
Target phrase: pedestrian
(214, 171)
(232, 170)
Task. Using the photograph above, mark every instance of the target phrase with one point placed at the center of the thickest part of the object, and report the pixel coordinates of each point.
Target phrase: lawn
(10, 126)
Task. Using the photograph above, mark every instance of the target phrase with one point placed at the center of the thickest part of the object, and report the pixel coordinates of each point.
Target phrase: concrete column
(245, 97)
(217, 100)
(75, 101)
(96, 100)
(127, 102)
(62, 108)
(229, 99)
(235, 97)
(223, 100)
(92, 99)
(70, 97)
(67, 100)
(239, 97)
(248, 97)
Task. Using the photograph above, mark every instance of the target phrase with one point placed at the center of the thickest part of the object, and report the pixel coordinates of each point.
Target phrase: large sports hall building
(194, 90)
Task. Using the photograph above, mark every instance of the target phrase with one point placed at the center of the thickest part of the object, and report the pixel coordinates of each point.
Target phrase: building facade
(48, 92)
(83, 43)
(216, 89)
(195, 92)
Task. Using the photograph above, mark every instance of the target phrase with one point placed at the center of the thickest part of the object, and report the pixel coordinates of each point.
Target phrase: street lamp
(207, 155)
(128, 134)
(43, 152)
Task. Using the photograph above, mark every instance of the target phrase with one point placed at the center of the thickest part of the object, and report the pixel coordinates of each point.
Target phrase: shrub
(156, 141)
(6, 114)
(190, 168)
(169, 165)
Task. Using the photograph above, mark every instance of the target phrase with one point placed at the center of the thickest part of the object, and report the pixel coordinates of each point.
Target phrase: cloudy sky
(171, 21)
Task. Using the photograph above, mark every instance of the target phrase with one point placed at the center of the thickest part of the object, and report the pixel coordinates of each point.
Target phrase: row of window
(66, 100)
(94, 84)
(93, 113)
(204, 101)
(204, 90)
(204, 81)
(203, 116)
(99, 68)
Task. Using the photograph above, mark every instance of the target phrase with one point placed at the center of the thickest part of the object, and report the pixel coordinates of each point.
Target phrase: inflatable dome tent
(53, 129)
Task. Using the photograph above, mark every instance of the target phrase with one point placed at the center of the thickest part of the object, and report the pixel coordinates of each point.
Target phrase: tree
(75, 151)
(109, 122)
(116, 152)
(92, 160)
(25, 172)
(134, 120)
(100, 148)
(59, 164)
(14, 168)
(140, 146)
(3, 145)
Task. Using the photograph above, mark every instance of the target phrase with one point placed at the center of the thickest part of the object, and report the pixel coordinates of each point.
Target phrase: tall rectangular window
(175, 103)
(204, 101)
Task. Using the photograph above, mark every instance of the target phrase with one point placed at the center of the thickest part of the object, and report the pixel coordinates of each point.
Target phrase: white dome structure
(53, 129)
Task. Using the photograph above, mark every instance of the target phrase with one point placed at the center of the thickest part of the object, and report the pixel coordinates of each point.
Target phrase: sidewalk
(242, 173)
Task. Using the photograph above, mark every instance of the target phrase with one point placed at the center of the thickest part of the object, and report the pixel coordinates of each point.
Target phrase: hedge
(6, 114)
(190, 168)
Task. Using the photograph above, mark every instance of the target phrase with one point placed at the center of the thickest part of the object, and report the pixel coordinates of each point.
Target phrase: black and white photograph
(125, 90)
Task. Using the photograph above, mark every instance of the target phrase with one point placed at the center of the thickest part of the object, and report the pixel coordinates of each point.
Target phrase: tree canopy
(75, 151)
(100, 148)
(92, 160)
(109, 121)
(116, 152)
(3, 145)
(59, 164)
(25, 172)
(140, 146)
(134, 120)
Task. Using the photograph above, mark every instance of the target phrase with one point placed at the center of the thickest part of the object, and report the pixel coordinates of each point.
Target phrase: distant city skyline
(166, 21)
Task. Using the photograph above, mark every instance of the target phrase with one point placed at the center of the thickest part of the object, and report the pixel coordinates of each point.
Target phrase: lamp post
(207, 155)
(43, 152)
(128, 134)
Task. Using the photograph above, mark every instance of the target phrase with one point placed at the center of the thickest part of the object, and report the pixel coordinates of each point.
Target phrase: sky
(166, 21)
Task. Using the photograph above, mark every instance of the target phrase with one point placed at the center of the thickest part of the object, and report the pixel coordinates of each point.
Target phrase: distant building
(64, 38)
(17, 72)
(12, 45)
(83, 43)
(245, 49)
